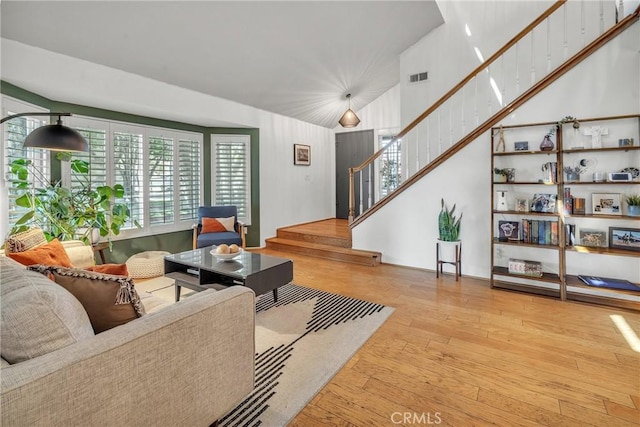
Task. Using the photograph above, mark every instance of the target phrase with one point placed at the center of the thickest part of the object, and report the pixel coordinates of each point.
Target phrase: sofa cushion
(25, 240)
(52, 253)
(115, 269)
(37, 316)
(109, 300)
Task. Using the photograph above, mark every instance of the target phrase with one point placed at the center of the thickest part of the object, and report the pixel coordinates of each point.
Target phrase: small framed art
(606, 204)
(522, 205)
(624, 238)
(521, 145)
(301, 154)
(594, 238)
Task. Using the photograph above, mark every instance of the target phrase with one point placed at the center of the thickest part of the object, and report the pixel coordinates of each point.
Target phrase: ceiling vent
(419, 77)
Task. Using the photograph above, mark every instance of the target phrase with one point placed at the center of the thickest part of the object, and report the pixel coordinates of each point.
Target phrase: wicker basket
(146, 264)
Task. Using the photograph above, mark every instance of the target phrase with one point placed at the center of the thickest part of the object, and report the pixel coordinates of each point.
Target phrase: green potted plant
(67, 213)
(448, 224)
(633, 204)
(501, 174)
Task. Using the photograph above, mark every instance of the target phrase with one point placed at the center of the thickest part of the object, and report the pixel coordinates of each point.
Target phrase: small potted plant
(633, 204)
(504, 174)
(448, 224)
(573, 173)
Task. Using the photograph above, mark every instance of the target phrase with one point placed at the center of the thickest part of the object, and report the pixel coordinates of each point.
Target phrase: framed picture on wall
(301, 154)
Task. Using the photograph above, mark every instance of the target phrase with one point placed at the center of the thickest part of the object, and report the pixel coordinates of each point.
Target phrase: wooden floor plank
(433, 351)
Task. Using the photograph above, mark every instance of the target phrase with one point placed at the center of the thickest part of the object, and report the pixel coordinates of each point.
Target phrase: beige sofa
(186, 364)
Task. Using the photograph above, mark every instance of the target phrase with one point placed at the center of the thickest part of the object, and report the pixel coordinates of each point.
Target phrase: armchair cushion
(228, 237)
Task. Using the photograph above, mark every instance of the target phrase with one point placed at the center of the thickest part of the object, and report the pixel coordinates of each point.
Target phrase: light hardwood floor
(463, 354)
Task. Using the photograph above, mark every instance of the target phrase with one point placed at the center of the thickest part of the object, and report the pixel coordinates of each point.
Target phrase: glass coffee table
(199, 270)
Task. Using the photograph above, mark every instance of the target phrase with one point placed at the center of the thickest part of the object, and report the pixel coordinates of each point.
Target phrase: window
(15, 132)
(390, 166)
(160, 170)
(231, 173)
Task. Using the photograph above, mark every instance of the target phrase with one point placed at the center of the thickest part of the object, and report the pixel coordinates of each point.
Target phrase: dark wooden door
(352, 148)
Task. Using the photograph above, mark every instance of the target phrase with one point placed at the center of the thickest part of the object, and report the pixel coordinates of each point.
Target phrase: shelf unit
(562, 261)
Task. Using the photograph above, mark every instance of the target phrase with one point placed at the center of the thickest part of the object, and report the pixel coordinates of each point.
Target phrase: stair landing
(329, 239)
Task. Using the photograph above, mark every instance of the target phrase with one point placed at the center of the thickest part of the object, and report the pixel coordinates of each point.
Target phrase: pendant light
(349, 118)
(53, 137)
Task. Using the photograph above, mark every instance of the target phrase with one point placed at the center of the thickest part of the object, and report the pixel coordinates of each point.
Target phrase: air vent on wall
(419, 77)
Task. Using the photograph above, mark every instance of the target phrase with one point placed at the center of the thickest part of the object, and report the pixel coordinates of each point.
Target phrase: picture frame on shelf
(508, 231)
(522, 205)
(521, 146)
(544, 203)
(593, 238)
(301, 154)
(606, 204)
(624, 238)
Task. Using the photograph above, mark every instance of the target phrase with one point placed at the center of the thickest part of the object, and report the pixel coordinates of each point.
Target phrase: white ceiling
(295, 58)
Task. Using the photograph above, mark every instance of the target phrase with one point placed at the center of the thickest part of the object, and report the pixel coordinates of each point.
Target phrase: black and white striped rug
(302, 341)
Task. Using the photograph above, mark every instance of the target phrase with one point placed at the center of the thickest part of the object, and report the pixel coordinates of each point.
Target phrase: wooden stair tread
(331, 248)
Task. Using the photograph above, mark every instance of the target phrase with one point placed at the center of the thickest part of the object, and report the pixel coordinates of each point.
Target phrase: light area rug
(302, 341)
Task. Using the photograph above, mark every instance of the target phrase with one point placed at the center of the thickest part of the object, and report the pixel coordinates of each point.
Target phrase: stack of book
(540, 232)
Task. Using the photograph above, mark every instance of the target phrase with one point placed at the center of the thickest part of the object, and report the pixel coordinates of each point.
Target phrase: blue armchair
(201, 240)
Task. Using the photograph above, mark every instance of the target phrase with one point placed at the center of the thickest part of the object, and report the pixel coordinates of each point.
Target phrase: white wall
(288, 194)
(405, 231)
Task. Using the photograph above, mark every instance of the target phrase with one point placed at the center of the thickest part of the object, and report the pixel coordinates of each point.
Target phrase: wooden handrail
(508, 109)
(526, 30)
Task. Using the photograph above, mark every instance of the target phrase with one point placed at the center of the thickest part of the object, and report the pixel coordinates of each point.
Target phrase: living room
(606, 84)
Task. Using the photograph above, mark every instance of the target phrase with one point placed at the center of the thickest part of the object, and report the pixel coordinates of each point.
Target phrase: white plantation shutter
(96, 157)
(189, 167)
(231, 173)
(161, 180)
(15, 132)
(127, 166)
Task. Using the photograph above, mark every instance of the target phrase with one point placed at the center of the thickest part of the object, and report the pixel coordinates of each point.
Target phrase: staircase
(328, 239)
(491, 92)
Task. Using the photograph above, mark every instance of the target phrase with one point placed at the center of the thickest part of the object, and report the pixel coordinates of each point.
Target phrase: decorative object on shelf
(522, 205)
(596, 133)
(301, 154)
(606, 204)
(549, 172)
(501, 201)
(624, 238)
(544, 203)
(635, 172)
(625, 142)
(508, 230)
(500, 147)
(500, 175)
(593, 238)
(633, 204)
(521, 146)
(448, 224)
(620, 177)
(525, 267)
(546, 144)
(573, 172)
(598, 177)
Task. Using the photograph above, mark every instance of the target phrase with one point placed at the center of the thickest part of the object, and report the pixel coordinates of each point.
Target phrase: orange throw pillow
(51, 253)
(212, 225)
(115, 269)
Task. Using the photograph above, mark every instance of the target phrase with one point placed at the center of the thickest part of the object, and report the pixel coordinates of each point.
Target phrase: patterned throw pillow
(24, 241)
(115, 269)
(217, 225)
(109, 300)
(52, 253)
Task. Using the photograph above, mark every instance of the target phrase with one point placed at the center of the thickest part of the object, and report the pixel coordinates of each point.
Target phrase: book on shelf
(525, 267)
(534, 231)
(554, 233)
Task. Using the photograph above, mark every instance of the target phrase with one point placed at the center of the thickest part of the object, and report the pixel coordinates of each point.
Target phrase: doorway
(352, 148)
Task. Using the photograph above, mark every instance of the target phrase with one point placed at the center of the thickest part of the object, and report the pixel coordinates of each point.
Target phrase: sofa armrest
(188, 364)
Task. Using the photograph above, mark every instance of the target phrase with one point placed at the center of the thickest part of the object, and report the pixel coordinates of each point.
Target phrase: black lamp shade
(56, 137)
